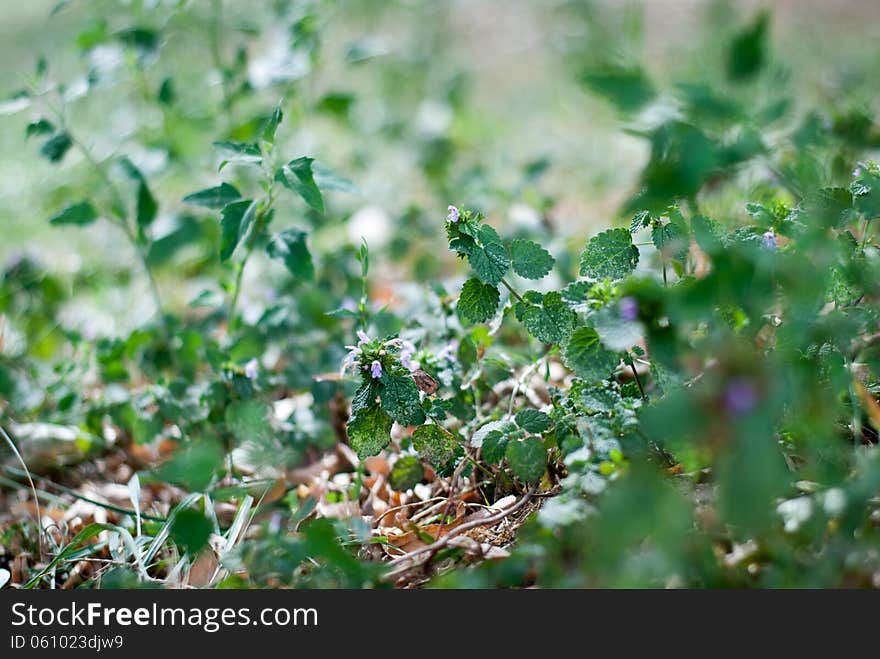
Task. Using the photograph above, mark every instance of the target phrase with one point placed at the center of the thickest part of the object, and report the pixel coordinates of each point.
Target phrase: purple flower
(376, 369)
(857, 172)
(453, 214)
(629, 309)
(768, 240)
(354, 353)
(362, 338)
(449, 350)
(407, 351)
(251, 369)
(740, 396)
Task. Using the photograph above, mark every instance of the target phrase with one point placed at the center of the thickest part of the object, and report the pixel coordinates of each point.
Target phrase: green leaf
(533, 420)
(272, 125)
(369, 430)
(235, 221)
(191, 530)
(327, 179)
(641, 220)
(39, 127)
(708, 233)
(217, 197)
(303, 182)
(434, 445)
(546, 317)
(530, 260)
(671, 239)
(748, 49)
(146, 206)
(56, 146)
(80, 213)
(629, 88)
(527, 459)
(489, 257)
(399, 396)
(365, 396)
(585, 355)
(494, 447)
(609, 255)
(478, 302)
(615, 332)
(245, 152)
(406, 473)
(290, 247)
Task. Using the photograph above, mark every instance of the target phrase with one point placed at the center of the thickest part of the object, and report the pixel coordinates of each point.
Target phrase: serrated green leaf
(400, 398)
(369, 430)
(530, 260)
(290, 247)
(534, 421)
(494, 447)
(546, 317)
(80, 213)
(406, 473)
(641, 220)
(365, 396)
(216, 197)
(609, 255)
(488, 257)
(527, 459)
(302, 182)
(478, 302)
(575, 294)
(671, 239)
(235, 221)
(434, 445)
(585, 356)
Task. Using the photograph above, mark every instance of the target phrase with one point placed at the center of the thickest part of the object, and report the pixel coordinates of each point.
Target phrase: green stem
(262, 213)
(638, 380)
(512, 292)
(236, 292)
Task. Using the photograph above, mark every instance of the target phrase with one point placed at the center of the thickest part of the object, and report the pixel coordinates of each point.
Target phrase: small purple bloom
(857, 172)
(354, 353)
(629, 309)
(376, 369)
(407, 350)
(740, 396)
(449, 350)
(251, 369)
(362, 338)
(453, 214)
(768, 240)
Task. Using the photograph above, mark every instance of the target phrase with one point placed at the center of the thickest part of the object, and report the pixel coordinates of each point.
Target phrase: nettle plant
(588, 323)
